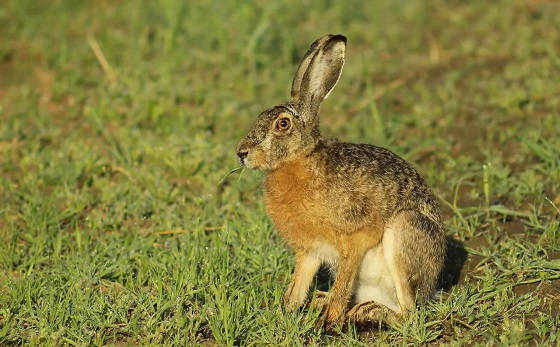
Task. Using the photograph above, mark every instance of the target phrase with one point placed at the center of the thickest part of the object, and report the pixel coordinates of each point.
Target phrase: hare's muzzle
(242, 154)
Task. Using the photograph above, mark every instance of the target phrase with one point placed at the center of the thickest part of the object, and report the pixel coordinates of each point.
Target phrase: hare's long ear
(318, 72)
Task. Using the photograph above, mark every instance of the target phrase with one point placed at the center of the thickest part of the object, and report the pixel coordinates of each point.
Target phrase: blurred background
(118, 123)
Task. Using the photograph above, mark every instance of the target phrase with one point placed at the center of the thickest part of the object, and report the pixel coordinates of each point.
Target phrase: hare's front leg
(348, 266)
(306, 267)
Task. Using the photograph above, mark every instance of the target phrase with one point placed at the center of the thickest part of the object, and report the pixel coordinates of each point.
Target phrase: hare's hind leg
(414, 250)
(395, 258)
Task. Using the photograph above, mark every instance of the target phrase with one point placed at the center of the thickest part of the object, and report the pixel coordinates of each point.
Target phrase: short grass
(117, 227)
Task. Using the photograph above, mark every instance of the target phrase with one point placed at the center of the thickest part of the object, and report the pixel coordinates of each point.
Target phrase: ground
(118, 123)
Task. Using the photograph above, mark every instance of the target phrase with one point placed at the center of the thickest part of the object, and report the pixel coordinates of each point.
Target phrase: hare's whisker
(240, 168)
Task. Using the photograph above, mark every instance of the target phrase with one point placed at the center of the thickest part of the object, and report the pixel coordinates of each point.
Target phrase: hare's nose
(242, 155)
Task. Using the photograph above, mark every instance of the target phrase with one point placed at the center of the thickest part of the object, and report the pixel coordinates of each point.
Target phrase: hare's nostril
(242, 155)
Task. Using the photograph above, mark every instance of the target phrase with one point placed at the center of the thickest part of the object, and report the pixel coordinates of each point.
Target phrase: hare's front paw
(332, 316)
(290, 300)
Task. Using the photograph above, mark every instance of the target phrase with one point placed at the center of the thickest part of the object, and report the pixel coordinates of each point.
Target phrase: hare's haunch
(359, 208)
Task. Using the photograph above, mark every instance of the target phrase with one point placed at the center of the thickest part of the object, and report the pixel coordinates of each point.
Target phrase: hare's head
(288, 131)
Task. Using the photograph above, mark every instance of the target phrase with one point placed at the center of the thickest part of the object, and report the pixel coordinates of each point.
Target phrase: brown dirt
(548, 292)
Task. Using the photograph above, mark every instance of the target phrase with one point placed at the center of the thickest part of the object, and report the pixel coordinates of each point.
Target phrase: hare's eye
(283, 124)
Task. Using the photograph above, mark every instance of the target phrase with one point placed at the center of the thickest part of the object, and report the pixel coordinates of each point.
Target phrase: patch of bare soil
(548, 292)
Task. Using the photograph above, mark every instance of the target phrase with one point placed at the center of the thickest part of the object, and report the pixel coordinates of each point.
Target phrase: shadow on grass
(455, 258)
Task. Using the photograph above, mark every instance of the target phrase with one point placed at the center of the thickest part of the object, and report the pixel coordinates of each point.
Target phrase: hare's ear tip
(338, 37)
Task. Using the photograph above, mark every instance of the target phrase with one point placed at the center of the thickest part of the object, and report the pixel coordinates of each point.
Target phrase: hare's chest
(292, 205)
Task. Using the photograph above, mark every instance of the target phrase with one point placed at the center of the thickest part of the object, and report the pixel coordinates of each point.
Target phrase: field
(118, 122)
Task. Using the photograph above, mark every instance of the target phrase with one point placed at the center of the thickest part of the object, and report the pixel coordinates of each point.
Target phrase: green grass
(116, 226)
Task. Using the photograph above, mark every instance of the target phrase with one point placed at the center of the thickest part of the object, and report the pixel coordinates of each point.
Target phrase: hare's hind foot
(372, 314)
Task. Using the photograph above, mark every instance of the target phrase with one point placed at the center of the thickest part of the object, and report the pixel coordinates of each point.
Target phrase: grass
(117, 228)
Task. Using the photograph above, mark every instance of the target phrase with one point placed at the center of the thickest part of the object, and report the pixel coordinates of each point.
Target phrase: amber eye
(283, 124)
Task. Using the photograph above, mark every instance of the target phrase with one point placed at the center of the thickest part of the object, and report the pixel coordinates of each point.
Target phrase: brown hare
(358, 208)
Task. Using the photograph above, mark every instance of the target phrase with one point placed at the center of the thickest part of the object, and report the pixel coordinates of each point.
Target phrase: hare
(358, 208)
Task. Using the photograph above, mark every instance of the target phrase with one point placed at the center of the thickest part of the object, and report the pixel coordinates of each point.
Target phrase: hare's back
(375, 172)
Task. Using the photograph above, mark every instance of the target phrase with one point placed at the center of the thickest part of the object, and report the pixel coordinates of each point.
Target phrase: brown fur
(344, 204)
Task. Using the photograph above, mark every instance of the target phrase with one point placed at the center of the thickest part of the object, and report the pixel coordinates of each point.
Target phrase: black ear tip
(338, 37)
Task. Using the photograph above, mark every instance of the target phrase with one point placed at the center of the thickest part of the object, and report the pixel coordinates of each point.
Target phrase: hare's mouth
(242, 155)
(248, 163)
(254, 159)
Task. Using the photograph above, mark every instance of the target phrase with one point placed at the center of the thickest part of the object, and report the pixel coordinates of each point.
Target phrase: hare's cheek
(256, 159)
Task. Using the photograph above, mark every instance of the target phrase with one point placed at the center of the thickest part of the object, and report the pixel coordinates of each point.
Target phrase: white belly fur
(374, 282)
